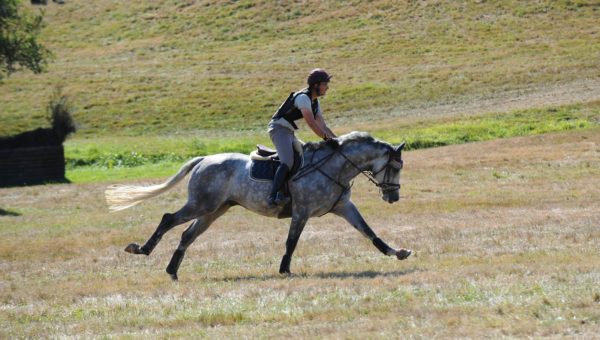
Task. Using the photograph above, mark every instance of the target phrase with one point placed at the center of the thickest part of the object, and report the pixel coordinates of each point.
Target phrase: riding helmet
(318, 75)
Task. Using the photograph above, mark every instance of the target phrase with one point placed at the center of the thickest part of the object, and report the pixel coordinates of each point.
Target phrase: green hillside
(138, 68)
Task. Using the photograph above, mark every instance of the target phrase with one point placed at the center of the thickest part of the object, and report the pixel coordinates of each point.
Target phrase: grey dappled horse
(221, 181)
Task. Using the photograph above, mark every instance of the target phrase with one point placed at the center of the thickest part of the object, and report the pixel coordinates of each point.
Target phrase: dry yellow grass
(506, 237)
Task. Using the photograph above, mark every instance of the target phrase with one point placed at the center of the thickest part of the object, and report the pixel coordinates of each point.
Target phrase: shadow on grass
(24, 183)
(8, 213)
(368, 274)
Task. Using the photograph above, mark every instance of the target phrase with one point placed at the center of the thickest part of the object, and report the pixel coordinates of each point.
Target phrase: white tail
(120, 197)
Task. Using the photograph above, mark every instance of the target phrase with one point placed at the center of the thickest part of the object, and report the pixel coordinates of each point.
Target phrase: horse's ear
(400, 147)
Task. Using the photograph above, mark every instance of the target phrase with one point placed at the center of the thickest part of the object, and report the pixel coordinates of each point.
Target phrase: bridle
(384, 187)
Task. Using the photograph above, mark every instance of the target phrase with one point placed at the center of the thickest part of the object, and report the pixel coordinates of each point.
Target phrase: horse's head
(386, 171)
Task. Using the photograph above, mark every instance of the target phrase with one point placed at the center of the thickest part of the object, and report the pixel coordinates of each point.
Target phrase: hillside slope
(174, 66)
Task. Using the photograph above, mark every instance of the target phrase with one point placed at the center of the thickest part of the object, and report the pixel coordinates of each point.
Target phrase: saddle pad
(263, 170)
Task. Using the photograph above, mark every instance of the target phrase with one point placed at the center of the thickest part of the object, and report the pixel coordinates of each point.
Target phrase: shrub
(59, 115)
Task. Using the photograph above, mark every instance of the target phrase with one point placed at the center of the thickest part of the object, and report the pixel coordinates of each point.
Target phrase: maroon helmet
(318, 75)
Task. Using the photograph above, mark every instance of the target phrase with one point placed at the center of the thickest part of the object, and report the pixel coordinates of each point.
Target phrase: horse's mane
(352, 137)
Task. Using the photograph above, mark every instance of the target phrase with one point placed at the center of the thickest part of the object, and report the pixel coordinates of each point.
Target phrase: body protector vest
(289, 112)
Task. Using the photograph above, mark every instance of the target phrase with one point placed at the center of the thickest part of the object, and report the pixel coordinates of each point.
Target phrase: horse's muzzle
(392, 197)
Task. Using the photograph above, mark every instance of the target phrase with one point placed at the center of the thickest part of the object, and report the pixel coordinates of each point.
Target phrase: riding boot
(277, 197)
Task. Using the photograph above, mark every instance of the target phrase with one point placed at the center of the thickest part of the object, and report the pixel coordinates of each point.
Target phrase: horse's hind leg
(199, 226)
(185, 214)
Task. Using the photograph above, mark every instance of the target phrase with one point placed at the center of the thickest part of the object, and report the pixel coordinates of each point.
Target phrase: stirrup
(281, 199)
(271, 201)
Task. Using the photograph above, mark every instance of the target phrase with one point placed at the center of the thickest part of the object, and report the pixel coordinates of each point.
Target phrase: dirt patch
(580, 91)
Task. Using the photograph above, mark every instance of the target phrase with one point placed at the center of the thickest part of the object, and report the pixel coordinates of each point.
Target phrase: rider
(301, 104)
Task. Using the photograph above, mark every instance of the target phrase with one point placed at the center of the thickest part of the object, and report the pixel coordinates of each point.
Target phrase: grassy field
(505, 235)
(498, 102)
(109, 159)
(174, 66)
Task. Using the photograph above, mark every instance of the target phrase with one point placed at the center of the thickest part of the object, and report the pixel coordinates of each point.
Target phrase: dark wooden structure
(38, 156)
(32, 165)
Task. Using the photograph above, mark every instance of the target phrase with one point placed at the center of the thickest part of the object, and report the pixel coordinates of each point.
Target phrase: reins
(383, 186)
(317, 167)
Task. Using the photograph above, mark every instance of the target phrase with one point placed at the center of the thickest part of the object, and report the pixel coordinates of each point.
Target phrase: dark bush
(59, 116)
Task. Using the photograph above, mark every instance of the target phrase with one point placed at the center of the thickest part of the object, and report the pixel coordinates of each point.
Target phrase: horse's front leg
(298, 222)
(351, 214)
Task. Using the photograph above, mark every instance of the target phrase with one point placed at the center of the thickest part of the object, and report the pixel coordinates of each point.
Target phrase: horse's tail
(120, 197)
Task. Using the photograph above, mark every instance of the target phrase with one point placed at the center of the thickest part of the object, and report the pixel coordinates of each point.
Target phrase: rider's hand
(328, 137)
(333, 143)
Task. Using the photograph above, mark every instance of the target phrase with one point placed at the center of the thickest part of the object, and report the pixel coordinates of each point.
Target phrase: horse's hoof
(402, 254)
(133, 248)
(172, 273)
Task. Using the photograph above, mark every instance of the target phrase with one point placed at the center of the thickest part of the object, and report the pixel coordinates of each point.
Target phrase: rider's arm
(312, 123)
(324, 126)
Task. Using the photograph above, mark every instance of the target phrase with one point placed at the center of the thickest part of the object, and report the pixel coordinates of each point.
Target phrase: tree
(19, 46)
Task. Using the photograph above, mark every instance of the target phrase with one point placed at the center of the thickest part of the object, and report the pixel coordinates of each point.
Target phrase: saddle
(265, 162)
(264, 151)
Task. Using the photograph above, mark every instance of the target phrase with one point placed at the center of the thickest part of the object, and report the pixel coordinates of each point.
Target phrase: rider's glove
(332, 142)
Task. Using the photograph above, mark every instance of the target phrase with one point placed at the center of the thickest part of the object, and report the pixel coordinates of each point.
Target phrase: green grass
(140, 69)
(149, 157)
(96, 174)
(494, 126)
(134, 151)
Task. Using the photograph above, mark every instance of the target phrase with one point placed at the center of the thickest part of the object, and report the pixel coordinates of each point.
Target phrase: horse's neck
(356, 158)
